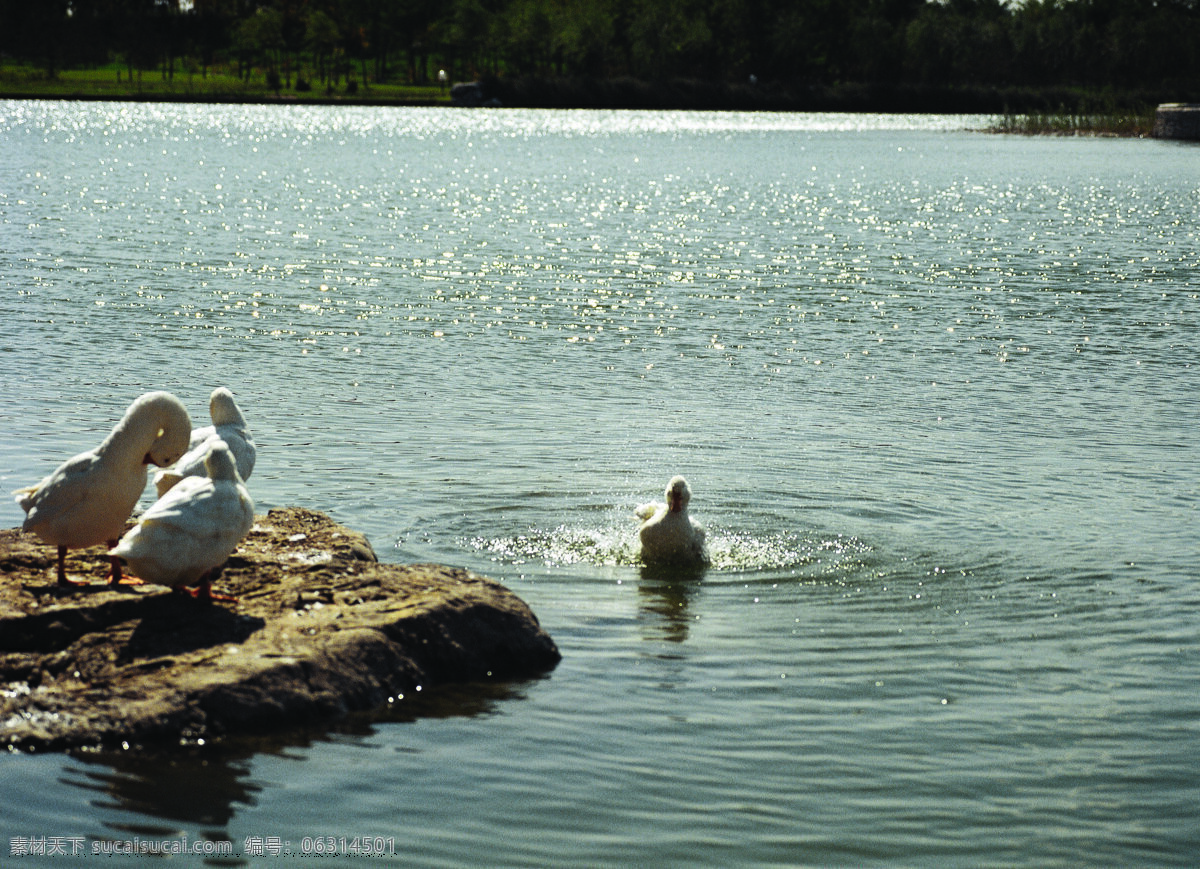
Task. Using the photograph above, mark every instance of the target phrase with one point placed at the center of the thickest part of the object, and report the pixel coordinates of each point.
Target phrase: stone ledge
(320, 629)
(1177, 121)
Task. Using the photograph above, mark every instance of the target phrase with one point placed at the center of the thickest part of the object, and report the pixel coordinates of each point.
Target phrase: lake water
(936, 393)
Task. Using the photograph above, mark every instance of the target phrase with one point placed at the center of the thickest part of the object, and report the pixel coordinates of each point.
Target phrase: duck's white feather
(89, 497)
(229, 426)
(668, 535)
(193, 528)
(645, 511)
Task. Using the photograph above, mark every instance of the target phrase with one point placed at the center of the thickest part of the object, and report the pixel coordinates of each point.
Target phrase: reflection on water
(206, 786)
(664, 598)
(148, 784)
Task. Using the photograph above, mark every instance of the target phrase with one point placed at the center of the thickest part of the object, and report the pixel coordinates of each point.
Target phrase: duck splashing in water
(668, 534)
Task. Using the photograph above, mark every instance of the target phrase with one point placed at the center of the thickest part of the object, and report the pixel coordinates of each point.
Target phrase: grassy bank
(1020, 110)
(117, 82)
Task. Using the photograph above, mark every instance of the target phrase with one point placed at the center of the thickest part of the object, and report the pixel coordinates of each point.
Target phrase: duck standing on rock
(668, 534)
(229, 426)
(187, 535)
(88, 498)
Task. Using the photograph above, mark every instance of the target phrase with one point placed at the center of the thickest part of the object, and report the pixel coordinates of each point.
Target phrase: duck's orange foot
(61, 570)
(205, 593)
(115, 577)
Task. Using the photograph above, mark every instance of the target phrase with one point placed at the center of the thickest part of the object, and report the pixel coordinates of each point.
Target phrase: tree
(322, 37)
(259, 35)
(669, 37)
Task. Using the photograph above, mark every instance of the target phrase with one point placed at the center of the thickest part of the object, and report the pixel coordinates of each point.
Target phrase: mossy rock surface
(320, 629)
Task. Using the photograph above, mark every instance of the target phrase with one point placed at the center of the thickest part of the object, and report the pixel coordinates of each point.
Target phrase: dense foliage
(1124, 44)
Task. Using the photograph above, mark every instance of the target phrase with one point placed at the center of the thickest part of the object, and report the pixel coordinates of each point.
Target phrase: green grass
(1132, 124)
(220, 83)
(114, 81)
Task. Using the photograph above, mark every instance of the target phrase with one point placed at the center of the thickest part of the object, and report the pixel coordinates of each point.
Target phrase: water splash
(809, 554)
(561, 546)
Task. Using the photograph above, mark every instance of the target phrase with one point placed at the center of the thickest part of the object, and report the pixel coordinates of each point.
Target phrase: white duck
(668, 534)
(88, 499)
(186, 536)
(228, 425)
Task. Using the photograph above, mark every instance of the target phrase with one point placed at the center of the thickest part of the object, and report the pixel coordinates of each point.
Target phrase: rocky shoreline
(320, 629)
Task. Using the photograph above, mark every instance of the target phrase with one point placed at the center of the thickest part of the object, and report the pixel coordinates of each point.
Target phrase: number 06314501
(365, 845)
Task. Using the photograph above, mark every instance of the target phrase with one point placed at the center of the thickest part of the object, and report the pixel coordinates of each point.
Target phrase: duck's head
(678, 495)
(223, 409)
(165, 422)
(219, 463)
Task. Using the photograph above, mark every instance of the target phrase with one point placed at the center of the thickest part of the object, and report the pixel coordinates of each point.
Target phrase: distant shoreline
(118, 83)
(1056, 111)
(217, 99)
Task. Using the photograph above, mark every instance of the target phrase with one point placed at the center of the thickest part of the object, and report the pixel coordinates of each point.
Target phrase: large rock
(1177, 121)
(320, 628)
